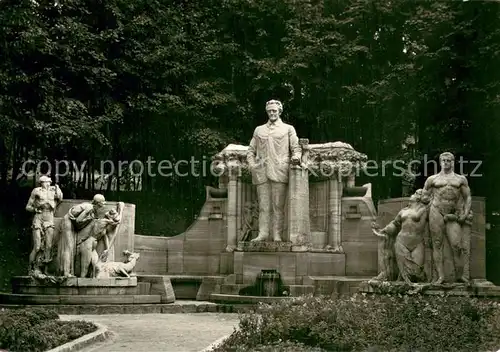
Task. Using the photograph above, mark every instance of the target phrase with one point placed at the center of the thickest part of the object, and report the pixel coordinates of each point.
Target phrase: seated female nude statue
(409, 227)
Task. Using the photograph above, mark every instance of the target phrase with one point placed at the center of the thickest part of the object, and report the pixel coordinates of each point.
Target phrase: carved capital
(232, 160)
(336, 159)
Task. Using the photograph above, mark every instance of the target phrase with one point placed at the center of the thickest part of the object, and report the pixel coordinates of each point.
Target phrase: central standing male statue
(274, 146)
(449, 216)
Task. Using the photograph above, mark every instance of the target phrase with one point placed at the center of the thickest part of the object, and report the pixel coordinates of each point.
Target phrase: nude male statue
(449, 210)
(43, 202)
(274, 146)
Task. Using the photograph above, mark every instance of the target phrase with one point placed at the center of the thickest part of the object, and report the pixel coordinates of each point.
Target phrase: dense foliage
(373, 323)
(121, 80)
(38, 330)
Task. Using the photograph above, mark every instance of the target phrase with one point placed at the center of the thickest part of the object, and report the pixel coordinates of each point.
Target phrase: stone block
(361, 258)
(151, 243)
(226, 263)
(46, 290)
(230, 279)
(300, 290)
(7, 298)
(232, 289)
(254, 262)
(201, 264)
(96, 299)
(217, 246)
(208, 285)
(287, 266)
(159, 285)
(143, 288)
(103, 309)
(148, 299)
(107, 290)
(105, 282)
(324, 264)
(307, 280)
(145, 308)
(175, 256)
(302, 264)
(201, 245)
(238, 262)
(249, 246)
(478, 255)
(185, 286)
(152, 262)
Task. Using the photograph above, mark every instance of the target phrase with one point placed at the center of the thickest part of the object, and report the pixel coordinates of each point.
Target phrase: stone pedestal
(75, 286)
(295, 268)
(147, 289)
(477, 288)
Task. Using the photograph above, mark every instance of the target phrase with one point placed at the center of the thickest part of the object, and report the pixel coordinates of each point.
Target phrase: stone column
(232, 206)
(232, 226)
(294, 216)
(298, 202)
(335, 215)
(239, 208)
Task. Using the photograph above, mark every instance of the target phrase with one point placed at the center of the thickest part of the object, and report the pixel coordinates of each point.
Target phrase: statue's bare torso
(446, 191)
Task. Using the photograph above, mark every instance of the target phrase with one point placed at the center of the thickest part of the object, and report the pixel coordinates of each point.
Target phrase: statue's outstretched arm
(393, 227)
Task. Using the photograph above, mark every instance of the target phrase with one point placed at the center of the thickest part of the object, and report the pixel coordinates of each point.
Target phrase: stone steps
(237, 299)
(294, 290)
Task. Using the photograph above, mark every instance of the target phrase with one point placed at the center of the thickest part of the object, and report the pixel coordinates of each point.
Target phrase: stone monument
(273, 148)
(312, 219)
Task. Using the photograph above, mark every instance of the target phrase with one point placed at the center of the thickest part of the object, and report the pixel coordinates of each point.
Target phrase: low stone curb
(172, 308)
(100, 335)
(216, 343)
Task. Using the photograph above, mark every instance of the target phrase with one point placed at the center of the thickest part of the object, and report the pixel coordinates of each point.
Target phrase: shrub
(383, 323)
(38, 329)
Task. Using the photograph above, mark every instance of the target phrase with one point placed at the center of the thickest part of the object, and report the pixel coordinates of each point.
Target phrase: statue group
(439, 212)
(84, 238)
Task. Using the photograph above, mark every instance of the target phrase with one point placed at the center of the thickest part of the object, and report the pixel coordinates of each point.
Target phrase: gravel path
(160, 332)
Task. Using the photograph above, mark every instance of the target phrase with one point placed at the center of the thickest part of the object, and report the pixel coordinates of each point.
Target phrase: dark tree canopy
(93, 80)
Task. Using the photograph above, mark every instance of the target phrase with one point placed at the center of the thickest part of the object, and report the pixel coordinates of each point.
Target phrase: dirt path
(160, 332)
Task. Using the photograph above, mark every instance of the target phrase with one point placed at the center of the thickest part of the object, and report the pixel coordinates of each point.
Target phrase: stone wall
(359, 243)
(196, 251)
